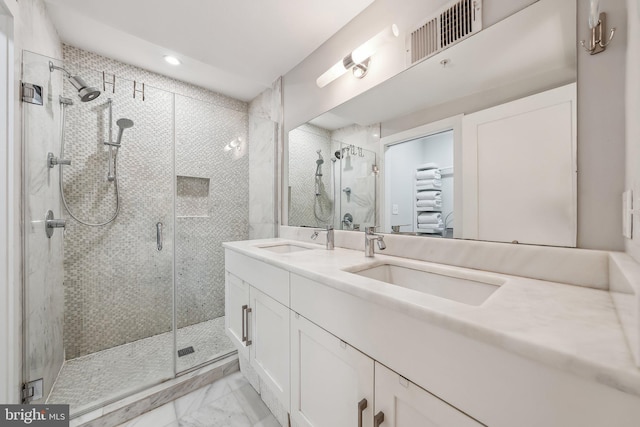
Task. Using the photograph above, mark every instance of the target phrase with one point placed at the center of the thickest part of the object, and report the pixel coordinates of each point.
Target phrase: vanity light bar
(358, 55)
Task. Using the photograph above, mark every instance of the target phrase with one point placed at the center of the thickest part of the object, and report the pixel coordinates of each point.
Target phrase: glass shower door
(99, 296)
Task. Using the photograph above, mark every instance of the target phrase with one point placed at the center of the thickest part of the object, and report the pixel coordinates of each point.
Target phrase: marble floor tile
(229, 402)
(270, 421)
(253, 406)
(224, 412)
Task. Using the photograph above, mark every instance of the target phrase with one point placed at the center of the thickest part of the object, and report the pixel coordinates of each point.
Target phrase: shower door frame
(10, 373)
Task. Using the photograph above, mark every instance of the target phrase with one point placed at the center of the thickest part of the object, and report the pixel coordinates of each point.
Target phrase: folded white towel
(424, 228)
(429, 195)
(429, 184)
(429, 218)
(438, 226)
(435, 203)
(428, 174)
(428, 166)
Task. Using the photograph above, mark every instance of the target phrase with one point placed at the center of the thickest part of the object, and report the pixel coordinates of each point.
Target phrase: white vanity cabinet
(256, 323)
(332, 382)
(236, 306)
(404, 404)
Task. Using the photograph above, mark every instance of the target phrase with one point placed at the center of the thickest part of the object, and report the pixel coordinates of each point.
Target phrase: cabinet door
(270, 343)
(329, 379)
(235, 319)
(404, 404)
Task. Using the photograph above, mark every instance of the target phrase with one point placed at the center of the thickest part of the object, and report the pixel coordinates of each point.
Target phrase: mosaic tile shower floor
(111, 373)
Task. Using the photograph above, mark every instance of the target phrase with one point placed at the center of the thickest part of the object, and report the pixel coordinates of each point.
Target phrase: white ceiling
(235, 47)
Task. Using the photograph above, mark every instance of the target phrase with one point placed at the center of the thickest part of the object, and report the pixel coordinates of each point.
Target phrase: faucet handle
(371, 229)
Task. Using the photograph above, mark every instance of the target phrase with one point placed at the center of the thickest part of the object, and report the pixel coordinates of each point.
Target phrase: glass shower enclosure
(112, 309)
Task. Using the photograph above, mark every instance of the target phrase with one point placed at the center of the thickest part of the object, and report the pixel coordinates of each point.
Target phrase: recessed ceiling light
(172, 60)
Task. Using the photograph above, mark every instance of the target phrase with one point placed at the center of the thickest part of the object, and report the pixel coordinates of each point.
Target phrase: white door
(269, 354)
(236, 315)
(520, 170)
(331, 382)
(404, 404)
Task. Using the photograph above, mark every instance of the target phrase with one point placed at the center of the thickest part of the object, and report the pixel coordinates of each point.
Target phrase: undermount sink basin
(285, 248)
(472, 292)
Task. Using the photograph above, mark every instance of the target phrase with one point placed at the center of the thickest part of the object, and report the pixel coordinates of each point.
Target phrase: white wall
(633, 124)
(601, 133)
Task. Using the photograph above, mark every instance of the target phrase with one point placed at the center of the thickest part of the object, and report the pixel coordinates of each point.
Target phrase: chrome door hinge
(32, 390)
(31, 93)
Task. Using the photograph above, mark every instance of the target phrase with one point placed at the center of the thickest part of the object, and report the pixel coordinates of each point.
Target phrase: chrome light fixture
(597, 24)
(359, 59)
(234, 144)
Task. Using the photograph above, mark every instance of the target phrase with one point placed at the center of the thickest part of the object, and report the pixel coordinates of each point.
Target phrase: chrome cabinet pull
(245, 325)
(244, 336)
(159, 236)
(378, 419)
(362, 405)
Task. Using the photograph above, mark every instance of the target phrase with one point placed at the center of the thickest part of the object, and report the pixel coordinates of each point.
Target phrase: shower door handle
(159, 236)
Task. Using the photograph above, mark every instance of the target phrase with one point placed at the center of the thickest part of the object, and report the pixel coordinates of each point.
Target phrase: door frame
(10, 308)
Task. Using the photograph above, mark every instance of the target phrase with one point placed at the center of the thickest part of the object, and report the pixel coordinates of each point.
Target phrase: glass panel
(43, 256)
(357, 208)
(332, 179)
(118, 285)
(312, 177)
(212, 205)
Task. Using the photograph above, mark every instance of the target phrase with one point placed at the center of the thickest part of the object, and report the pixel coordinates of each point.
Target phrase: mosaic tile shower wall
(118, 286)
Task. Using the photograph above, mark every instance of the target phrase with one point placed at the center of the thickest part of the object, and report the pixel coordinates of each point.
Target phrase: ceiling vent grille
(451, 24)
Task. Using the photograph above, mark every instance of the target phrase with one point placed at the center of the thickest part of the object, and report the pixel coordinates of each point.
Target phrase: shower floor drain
(185, 351)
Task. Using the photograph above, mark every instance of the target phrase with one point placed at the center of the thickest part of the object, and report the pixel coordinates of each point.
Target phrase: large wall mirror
(475, 142)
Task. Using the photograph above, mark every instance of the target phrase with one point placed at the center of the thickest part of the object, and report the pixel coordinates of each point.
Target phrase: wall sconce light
(359, 59)
(597, 24)
(236, 143)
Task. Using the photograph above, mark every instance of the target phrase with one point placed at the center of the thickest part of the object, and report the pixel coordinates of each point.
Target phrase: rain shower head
(85, 92)
(122, 125)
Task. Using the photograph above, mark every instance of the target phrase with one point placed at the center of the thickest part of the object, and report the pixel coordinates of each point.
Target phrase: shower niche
(192, 196)
(113, 309)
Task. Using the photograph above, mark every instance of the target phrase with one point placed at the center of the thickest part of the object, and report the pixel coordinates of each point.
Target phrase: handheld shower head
(122, 125)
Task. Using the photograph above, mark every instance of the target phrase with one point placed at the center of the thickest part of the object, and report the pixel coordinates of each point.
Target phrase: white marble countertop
(571, 328)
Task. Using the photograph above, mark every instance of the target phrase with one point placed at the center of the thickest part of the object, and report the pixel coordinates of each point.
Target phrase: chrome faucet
(369, 237)
(329, 231)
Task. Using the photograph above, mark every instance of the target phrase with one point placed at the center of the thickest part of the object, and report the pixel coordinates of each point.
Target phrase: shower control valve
(53, 161)
(51, 223)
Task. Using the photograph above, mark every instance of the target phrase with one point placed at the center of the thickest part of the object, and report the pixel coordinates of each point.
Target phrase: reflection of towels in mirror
(428, 174)
(429, 195)
(430, 218)
(429, 184)
(427, 166)
(431, 228)
(435, 203)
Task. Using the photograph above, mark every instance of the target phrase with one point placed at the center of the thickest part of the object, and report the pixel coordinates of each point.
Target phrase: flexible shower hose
(115, 181)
